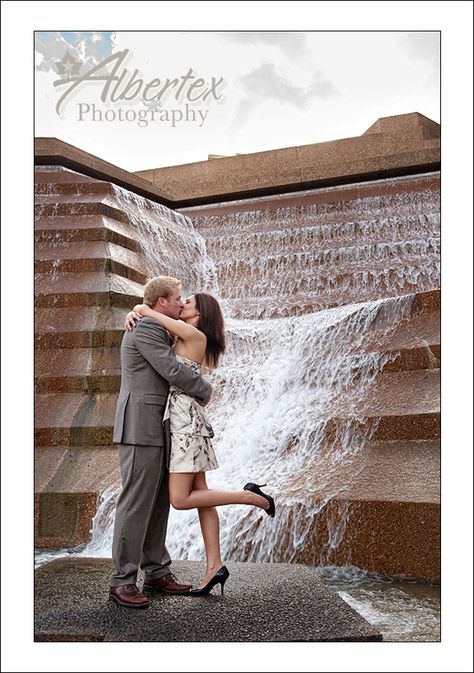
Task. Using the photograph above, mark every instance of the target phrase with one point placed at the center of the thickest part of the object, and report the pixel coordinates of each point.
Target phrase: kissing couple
(166, 343)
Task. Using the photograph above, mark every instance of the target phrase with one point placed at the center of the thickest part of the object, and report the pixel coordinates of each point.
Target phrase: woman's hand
(131, 319)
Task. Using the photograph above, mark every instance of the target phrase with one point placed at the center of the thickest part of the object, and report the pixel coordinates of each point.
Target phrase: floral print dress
(191, 432)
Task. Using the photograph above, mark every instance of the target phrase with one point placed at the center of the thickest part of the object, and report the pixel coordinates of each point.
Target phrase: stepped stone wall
(90, 269)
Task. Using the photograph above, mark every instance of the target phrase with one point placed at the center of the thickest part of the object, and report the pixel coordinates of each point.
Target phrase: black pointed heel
(255, 488)
(219, 578)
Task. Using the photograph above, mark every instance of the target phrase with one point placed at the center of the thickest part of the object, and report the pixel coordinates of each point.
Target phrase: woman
(199, 339)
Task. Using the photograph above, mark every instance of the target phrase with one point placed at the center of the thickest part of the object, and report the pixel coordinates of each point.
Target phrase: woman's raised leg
(183, 495)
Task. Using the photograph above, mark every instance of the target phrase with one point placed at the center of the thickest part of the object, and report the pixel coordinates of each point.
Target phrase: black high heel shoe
(255, 488)
(219, 578)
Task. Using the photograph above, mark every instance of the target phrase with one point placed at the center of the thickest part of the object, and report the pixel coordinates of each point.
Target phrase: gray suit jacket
(148, 367)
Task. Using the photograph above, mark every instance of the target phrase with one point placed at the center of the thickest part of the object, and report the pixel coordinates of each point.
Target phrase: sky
(275, 89)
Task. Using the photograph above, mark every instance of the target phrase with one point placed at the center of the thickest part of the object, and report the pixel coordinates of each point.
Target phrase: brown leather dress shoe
(168, 584)
(129, 596)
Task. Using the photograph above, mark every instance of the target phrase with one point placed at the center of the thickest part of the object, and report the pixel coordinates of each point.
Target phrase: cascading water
(170, 244)
(289, 394)
(286, 410)
(274, 261)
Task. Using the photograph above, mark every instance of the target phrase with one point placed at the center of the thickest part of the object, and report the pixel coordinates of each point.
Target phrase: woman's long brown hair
(211, 323)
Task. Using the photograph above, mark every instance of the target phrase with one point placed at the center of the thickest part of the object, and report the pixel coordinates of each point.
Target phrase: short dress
(191, 433)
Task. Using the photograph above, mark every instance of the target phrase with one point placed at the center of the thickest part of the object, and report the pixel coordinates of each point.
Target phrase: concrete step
(49, 187)
(86, 289)
(71, 604)
(401, 470)
(260, 308)
(340, 204)
(401, 277)
(64, 519)
(406, 402)
(85, 256)
(68, 484)
(85, 327)
(393, 538)
(98, 369)
(57, 175)
(306, 236)
(78, 469)
(90, 228)
(400, 392)
(79, 208)
(78, 370)
(74, 419)
(335, 259)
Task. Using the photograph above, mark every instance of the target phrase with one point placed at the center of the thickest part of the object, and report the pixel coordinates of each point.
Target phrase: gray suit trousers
(141, 516)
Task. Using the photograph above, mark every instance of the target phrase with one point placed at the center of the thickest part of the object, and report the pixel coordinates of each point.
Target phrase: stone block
(63, 519)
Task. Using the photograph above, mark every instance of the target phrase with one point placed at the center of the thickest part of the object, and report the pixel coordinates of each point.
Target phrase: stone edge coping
(55, 152)
(405, 152)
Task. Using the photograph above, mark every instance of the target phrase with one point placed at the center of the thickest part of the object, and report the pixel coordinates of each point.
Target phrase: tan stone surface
(65, 469)
(84, 256)
(404, 392)
(405, 142)
(73, 228)
(387, 537)
(69, 370)
(403, 471)
(63, 519)
(80, 208)
(84, 327)
(86, 288)
(74, 419)
(52, 151)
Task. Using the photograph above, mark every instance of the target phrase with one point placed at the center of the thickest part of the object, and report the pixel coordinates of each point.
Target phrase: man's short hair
(160, 286)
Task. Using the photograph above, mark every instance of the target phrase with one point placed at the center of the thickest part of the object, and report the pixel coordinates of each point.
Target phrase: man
(148, 367)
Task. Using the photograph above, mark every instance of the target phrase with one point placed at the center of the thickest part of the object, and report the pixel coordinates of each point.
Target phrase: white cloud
(425, 46)
(291, 44)
(265, 83)
(281, 90)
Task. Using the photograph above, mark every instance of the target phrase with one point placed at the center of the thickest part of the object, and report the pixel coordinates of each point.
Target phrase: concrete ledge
(55, 152)
(393, 146)
(263, 602)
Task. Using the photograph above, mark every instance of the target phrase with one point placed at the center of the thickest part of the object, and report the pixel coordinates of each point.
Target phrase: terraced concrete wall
(276, 257)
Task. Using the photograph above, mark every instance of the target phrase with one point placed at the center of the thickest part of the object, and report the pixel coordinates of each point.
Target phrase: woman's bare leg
(183, 495)
(209, 522)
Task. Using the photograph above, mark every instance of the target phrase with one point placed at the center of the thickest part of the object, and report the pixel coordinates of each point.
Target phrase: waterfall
(289, 395)
(277, 261)
(169, 241)
(287, 410)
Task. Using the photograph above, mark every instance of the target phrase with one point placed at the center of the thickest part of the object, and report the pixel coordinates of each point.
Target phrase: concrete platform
(262, 603)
